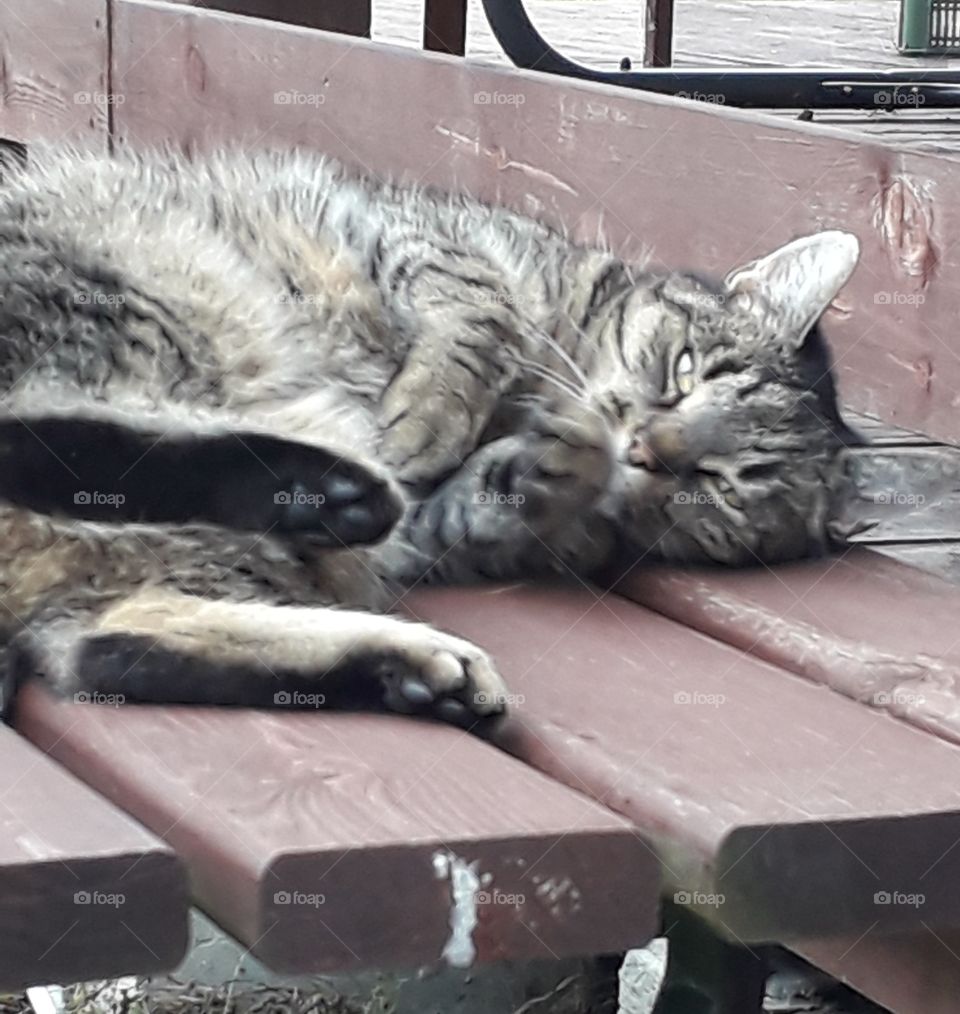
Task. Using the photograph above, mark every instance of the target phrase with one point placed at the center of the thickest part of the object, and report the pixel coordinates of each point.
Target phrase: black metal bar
(445, 26)
(765, 88)
(658, 34)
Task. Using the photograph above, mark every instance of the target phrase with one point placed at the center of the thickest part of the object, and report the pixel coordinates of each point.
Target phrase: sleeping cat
(239, 390)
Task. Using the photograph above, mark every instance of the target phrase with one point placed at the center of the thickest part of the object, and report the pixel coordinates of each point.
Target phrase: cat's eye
(683, 372)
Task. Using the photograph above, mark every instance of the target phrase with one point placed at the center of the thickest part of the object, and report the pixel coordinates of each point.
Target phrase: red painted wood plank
(876, 630)
(649, 171)
(915, 973)
(53, 71)
(781, 811)
(316, 839)
(85, 892)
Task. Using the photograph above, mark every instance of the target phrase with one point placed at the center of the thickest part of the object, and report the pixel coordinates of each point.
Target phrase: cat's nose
(659, 446)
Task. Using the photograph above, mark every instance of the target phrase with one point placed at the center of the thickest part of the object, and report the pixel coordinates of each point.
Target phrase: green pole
(915, 26)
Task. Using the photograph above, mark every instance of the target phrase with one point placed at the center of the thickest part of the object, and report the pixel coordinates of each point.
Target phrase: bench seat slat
(85, 891)
(780, 810)
(313, 837)
(869, 627)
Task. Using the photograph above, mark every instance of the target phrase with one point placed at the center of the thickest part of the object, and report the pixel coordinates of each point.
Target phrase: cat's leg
(158, 471)
(461, 360)
(522, 505)
(161, 646)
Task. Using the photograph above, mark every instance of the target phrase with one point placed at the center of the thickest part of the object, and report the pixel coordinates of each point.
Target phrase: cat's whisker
(562, 355)
(538, 369)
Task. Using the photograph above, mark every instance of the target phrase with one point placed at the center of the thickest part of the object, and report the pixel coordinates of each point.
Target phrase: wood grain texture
(780, 811)
(313, 837)
(53, 71)
(645, 171)
(85, 891)
(871, 628)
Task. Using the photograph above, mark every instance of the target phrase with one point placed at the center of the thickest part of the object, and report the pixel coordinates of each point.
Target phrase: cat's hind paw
(431, 672)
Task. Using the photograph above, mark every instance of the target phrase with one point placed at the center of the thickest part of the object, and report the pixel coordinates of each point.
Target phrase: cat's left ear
(791, 287)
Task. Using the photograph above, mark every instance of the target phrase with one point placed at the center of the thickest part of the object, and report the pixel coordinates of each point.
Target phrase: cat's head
(728, 437)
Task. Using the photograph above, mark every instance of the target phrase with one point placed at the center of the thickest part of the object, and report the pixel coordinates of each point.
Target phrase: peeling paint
(502, 161)
(903, 214)
(558, 894)
(460, 951)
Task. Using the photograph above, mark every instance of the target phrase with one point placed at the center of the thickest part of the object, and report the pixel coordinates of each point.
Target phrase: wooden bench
(782, 741)
(85, 891)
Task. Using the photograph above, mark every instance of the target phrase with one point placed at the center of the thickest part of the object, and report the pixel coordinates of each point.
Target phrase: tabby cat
(240, 389)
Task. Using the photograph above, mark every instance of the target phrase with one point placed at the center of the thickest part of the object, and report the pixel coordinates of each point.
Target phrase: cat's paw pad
(303, 488)
(434, 672)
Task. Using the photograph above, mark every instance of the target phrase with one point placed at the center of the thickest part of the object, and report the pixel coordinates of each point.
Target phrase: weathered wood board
(320, 840)
(875, 630)
(916, 973)
(780, 811)
(53, 71)
(85, 891)
(645, 171)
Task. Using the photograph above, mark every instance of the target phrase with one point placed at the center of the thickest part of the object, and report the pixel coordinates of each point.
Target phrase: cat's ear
(791, 287)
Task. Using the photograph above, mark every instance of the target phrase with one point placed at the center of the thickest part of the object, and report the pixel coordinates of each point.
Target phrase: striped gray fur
(270, 363)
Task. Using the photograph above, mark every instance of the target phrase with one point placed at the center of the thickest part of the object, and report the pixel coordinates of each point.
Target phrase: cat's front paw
(429, 671)
(565, 465)
(424, 435)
